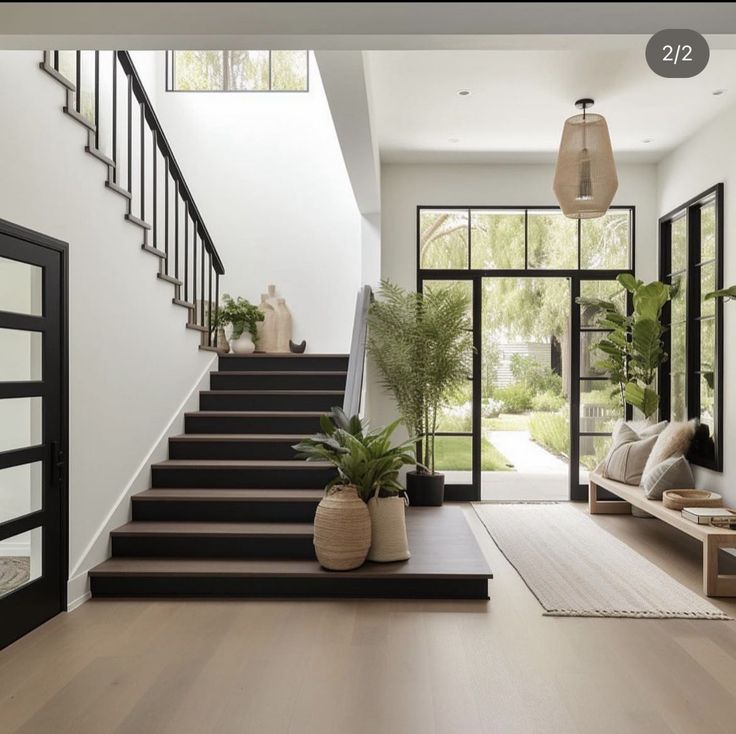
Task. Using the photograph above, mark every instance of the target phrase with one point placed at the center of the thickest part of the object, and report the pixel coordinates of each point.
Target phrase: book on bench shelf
(718, 516)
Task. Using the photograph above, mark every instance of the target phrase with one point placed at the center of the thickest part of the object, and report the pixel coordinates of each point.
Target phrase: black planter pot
(425, 490)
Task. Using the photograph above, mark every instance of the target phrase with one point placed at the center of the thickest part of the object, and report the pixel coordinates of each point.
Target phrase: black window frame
(171, 76)
(472, 492)
(704, 451)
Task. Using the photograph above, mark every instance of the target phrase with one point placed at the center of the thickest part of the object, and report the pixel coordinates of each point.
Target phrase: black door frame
(56, 456)
(472, 492)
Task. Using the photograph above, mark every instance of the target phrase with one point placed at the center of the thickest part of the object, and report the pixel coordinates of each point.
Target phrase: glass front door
(32, 433)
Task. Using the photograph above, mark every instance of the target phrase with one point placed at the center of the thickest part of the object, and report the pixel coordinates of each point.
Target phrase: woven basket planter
(388, 530)
(342, 529)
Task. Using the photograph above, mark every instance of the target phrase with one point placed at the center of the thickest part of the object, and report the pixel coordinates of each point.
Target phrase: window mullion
(693, 313)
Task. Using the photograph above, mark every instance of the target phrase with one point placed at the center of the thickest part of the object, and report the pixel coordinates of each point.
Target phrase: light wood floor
(215, 667)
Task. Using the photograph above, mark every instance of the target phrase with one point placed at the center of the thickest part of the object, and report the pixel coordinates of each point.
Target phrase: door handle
(58, 463)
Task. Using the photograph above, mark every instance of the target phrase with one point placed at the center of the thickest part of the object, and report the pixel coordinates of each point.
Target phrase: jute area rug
(575, 568)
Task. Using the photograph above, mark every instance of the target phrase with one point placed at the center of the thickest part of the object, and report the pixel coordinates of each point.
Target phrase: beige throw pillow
(672, 473)
(628, 455)
(675, 440)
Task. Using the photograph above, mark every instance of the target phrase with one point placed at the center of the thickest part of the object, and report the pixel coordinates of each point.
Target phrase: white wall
(708, 158)
(268, 176)
(404, 187)
(132, 362)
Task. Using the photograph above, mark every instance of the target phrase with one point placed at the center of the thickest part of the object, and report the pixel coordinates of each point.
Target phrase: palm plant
(363, 458)
(633, 349)
(422, 345)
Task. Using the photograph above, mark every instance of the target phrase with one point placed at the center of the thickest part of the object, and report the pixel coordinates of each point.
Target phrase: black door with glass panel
(33, 433)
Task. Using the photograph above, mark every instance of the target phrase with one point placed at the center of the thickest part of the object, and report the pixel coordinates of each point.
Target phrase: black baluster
(217, 307)
(115, 116)
(209, 301)
(97, 100)
(56, 60)
(186, 249)
(78, 101)
(176, 233)
(154, 191)
(130, 141)
(143, 164)
(201, 310)
(166, 216)
(194, 278)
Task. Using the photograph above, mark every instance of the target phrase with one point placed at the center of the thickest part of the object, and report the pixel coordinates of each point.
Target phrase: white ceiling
(520, 98)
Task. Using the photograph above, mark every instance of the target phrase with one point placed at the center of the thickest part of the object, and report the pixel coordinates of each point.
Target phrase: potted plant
(633, 349)
(345, 527)
(243, 316)
(422, 345)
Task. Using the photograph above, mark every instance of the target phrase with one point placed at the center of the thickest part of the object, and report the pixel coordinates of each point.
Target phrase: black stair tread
(278, 373)
(227, 495)
(272, 391)
(237, 437)
(258, 413)
(267, 355)
(217, 529)
(241, 464)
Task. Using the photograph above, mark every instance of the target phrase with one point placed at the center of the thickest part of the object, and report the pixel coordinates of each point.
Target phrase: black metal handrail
(132, 141)
(356, 361)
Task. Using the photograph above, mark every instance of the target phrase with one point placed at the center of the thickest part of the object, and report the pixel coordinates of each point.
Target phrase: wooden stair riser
(283, 362)
(203, 510)
(241, 478)
(174, 546)
(270, 381)
(221, 448)
(204, 423)
(270, 401)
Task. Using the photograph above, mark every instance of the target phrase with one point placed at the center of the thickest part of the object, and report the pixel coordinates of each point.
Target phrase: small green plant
(548, 402)
(364, 459)
(633, 349)
(515, 398)
(536, 376)
(240, 313)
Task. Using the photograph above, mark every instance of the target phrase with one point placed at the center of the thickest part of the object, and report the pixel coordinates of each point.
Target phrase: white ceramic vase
(243, 344)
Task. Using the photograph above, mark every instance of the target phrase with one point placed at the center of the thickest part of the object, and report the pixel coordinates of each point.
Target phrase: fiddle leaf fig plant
(728, 294)
(632, 350)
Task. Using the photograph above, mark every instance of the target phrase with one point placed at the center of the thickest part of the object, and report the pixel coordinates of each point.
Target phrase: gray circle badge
(677, 53)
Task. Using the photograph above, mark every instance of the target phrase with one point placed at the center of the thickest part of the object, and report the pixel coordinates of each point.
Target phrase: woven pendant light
(585, 175)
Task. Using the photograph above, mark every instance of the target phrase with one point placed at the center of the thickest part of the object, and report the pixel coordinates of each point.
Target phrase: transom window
(485, 238)
(691, 257)
(237, 71)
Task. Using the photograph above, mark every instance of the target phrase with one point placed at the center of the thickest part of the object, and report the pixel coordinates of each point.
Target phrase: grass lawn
(507, 422)
(453, 453)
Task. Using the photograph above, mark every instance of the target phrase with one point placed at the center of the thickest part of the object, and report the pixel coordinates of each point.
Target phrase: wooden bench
(712, 538)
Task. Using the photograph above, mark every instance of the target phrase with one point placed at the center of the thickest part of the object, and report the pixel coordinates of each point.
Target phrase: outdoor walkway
(526, 456)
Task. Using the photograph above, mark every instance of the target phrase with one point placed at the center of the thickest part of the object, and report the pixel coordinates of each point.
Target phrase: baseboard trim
(78, 574)
(75, 603)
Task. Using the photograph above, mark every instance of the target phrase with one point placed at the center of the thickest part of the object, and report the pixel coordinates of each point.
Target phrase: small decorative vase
(388, 529)
(267, 328)
(342, 529)
(283, 325)
(243, 344)
(221, 342)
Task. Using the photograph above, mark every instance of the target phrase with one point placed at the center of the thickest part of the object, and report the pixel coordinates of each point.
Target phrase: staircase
(231, 510)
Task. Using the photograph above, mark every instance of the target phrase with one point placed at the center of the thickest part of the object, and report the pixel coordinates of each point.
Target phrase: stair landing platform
(446, 563)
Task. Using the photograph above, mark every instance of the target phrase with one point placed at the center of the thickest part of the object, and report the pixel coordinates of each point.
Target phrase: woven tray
(678, 499)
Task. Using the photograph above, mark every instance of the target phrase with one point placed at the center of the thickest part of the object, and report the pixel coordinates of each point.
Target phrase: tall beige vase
(283, 326)
(266, 330)
(388, 529)
(342, 529)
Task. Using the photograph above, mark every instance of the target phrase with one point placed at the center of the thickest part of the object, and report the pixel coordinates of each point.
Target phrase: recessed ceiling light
(453, 140)
(718, 92)
(647, 140)
(463, 92)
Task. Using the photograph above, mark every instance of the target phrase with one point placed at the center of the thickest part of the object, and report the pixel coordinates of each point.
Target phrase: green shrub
(548, 402)
(516, 398)
(536, 376)
(551, 430)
